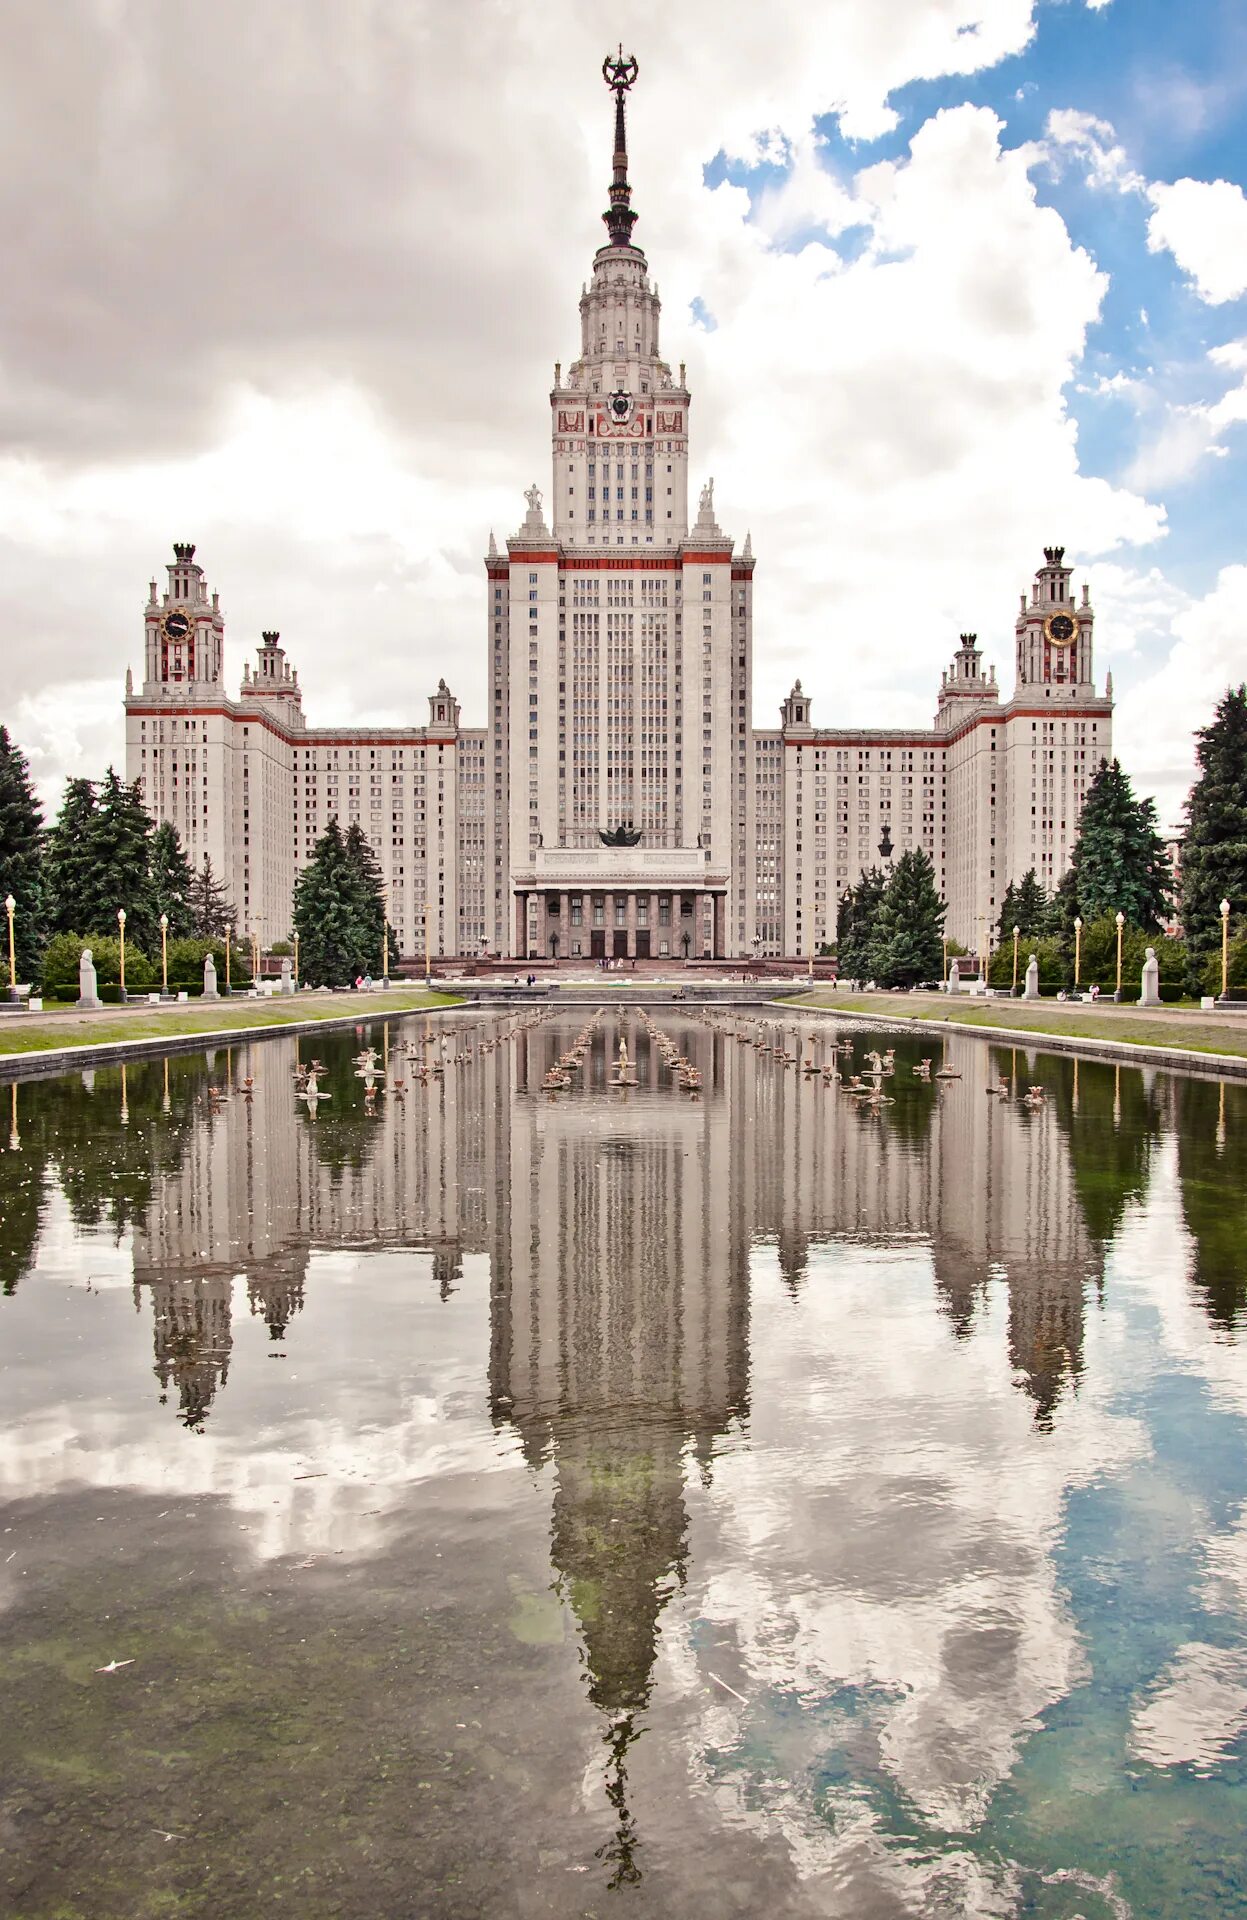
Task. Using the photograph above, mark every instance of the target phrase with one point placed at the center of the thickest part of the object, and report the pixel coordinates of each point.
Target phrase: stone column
(521, 926)
(565, 926)
(630, 923)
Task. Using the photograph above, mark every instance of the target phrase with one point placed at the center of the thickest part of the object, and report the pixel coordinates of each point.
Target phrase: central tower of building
(620, 659)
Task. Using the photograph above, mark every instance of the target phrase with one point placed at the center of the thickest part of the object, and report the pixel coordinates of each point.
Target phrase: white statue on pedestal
(210, 992)
(1031, 990)
(1150, 996)
(88, 984)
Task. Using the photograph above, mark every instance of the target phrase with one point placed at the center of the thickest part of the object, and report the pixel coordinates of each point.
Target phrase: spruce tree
(21, 861)
(856, 952)
(71, 860)
(1119, 861)
(1063, 908)
(121, 844)
(907, 935)
(336, 932)
(172, 881)
(371, 896)
(1214, 850)
(1025, 906)
(212, 910)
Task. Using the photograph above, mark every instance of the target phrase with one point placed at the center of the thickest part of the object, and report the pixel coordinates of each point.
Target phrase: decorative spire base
(620, 74)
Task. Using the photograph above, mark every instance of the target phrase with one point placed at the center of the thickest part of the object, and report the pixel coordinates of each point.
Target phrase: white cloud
(1203, 224)
(320, 344)
(1191, 432)
(1158, 714)
(1093, 142)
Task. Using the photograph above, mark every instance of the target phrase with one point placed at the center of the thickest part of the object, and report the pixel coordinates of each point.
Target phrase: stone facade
(619, 638)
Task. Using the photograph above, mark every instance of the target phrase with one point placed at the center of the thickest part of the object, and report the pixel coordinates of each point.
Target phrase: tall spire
(619, 74)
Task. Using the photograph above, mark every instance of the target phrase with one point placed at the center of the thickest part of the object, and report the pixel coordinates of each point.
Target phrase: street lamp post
(229, 941)
(385, 936)
(164, 955)
(427, 966)
(1016, 932)
(121, 928)
(1225, 947)
(1077, 946)
(10, 905)
(1121, 921)
(945, 976)
(296, 959)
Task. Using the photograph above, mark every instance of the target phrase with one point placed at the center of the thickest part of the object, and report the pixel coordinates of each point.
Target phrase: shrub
(1210, 979)
(64, 950)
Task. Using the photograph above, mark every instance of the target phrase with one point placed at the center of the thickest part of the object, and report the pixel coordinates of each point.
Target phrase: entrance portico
(619, 903)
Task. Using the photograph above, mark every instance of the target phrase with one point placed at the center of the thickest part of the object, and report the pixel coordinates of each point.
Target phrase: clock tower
(1053, 634)
(183, 631)
(619, 420)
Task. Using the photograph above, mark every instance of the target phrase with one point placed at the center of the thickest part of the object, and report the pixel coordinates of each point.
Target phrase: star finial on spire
(620, 74)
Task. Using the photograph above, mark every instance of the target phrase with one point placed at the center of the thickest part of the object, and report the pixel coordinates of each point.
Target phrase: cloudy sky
(953, 278)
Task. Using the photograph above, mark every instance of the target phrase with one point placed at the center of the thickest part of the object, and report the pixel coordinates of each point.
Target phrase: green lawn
(1191, 1032)
(25, 1034)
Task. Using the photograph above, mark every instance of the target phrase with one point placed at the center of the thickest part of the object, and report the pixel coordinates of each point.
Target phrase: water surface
(622, 1501)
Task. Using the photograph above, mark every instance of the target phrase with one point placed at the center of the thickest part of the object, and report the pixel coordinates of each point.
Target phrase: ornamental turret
(964, 687)
(274, 680)
(1054, 628)
(184, 630)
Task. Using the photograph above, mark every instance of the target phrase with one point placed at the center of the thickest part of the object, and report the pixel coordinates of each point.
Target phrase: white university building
(619, 640)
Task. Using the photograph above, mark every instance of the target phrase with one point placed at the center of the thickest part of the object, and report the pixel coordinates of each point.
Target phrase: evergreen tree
(371, 884)
(1063, 908)
(907, 935)
(99, 859)
(212, 910)
(1214, 850)
(172, 881)
(21, 860)
(844, 927)
(121, 877)
(1025, 906)
(336, 918)
(70, 861)
(856, 949)
(1119, 862)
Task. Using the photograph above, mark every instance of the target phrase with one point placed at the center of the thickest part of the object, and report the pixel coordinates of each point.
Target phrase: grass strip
(1186, 1033)
(24, 1034)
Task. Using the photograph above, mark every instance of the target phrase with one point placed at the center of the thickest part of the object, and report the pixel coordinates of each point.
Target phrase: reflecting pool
(450, 1497)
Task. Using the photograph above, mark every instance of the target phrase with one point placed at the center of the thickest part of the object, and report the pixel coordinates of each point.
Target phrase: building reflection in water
(619, 1229)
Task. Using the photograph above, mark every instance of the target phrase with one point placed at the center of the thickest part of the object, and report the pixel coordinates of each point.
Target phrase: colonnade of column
(636, 933)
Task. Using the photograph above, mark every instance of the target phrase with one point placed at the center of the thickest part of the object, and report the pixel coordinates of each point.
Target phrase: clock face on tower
(176, 625)
(1060, 629)
(621, 405)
